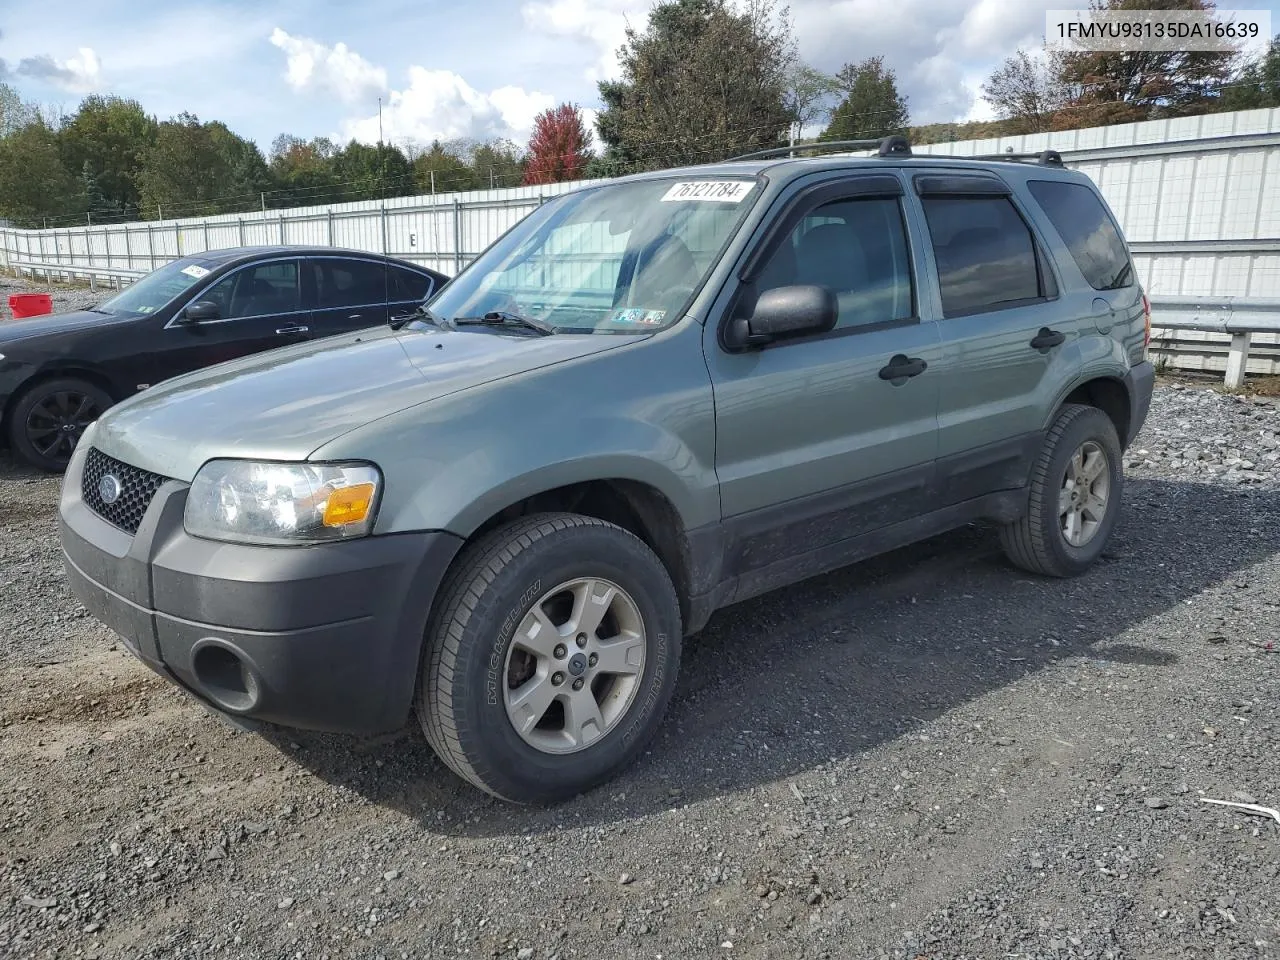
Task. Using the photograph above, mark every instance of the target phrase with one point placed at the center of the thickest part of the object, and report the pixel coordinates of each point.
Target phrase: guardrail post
(128, 252)
(240, 229)
(151, 245)
(330, 219)
(282, 229)
(206, 233)
(1238, 359)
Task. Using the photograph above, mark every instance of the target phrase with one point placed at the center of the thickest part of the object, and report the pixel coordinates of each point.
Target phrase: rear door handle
(1046, 339)
(295, 328)
(902, 367)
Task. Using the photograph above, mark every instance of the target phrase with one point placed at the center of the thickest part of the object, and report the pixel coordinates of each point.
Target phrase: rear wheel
(551, 657)
(1076, 487)
(49, 418)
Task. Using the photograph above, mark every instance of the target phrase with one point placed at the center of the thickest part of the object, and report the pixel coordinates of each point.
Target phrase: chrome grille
(136, 488)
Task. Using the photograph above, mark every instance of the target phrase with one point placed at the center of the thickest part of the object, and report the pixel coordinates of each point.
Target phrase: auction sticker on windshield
(195, 271)
(722, 191)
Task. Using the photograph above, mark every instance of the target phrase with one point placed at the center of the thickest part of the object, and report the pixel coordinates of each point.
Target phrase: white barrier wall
(1198, 198)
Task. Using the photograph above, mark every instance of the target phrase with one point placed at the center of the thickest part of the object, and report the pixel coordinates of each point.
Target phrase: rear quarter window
(1087, 229)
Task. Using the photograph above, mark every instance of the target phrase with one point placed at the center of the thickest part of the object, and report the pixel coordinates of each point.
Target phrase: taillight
(1146, 317)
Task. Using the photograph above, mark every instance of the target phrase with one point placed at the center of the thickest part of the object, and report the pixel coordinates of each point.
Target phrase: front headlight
(282, 503)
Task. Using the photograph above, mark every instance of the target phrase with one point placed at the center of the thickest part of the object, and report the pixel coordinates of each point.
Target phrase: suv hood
(285, 403)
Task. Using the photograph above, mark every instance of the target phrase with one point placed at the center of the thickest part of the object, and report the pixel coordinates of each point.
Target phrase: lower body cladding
(323, 637)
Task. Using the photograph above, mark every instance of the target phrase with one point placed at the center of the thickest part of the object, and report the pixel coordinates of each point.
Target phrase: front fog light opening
(225, 678)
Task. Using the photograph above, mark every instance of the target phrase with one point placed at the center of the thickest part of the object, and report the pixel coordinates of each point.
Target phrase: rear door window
(350, 283)
(1088, 231)
(985, 254)
(409, 286)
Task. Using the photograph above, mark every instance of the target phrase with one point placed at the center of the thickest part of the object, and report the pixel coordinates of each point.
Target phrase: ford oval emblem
(109, 488)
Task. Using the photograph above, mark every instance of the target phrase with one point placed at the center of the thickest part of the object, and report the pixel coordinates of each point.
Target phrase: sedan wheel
(49, 419)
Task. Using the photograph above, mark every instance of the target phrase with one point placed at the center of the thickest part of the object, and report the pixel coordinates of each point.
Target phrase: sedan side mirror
(785, 312)
(202, 311)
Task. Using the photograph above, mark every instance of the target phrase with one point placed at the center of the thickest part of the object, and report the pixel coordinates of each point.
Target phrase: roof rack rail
(1046, 158)
(897, 146)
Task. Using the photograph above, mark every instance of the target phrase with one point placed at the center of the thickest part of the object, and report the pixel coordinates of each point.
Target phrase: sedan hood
(285, 403)
(15, 330)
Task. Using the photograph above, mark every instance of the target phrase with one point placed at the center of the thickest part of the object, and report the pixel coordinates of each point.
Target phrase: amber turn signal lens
(348, 505)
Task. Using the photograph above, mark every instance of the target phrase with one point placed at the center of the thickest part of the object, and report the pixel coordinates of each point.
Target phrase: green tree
(444, 168)
(109, 136)
(809, 96)
(15, 113)
(303, 170)
(95, 201)
(1108, 87)
(872, 106)
(497, 163)
(34, 183)
(366, 172)
(1257, 85)
(1026, 92)
(706, 79)
(197, 169)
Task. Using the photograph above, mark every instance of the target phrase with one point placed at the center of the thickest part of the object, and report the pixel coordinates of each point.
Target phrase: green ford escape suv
(651, 398)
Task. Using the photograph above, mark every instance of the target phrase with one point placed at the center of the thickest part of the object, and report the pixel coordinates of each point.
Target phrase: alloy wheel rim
(1085, 493)
(58, 420)
(574, 664)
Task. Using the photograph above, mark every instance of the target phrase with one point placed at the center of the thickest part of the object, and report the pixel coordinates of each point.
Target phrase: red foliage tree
(560, 147)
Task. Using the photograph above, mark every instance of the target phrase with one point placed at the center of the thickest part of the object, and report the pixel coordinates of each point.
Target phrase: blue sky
(449, 68)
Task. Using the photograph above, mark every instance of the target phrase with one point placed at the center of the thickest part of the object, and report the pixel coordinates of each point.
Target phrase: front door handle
(902, 367)
(295, 328)
(1047, 339)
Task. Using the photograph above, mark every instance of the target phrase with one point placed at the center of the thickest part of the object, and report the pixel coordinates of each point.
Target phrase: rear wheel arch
(1108, 394)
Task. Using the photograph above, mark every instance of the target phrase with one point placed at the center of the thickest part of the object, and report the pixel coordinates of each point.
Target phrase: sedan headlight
(282, 503)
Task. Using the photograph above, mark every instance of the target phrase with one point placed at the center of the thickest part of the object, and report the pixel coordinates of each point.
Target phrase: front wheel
(1075, 496)
(48, 420)
(550, 659)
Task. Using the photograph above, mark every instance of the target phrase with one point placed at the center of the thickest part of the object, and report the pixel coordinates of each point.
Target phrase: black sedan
(58, 373)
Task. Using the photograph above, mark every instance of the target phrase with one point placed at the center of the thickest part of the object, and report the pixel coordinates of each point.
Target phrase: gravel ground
(928, 755)
(65, 298)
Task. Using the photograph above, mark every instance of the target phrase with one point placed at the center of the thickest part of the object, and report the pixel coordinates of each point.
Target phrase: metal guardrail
(66, 272)
(1238, 317)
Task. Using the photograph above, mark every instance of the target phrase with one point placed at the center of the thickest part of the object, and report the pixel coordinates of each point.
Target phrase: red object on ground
(26, 305)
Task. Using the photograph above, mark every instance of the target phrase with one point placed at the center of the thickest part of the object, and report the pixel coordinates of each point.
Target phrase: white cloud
(338, 70)
(940, 49)
(440, 104)
(436, 104)
(80, 74)
(600, 25)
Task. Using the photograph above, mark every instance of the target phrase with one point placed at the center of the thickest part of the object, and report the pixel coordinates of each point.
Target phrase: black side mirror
(785, 312)
(202, 311)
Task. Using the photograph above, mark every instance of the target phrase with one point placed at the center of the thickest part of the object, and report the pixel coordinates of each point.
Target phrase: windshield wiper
(421, 312)
(500, 318)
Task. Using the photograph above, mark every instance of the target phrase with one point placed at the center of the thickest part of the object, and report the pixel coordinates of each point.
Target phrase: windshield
(157, 288)
(622, 258)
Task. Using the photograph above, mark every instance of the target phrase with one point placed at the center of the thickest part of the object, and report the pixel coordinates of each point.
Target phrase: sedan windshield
(157, 288)
(621, 258)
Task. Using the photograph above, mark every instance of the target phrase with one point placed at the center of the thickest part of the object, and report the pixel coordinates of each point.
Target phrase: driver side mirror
(202, 311)
(785, 312)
